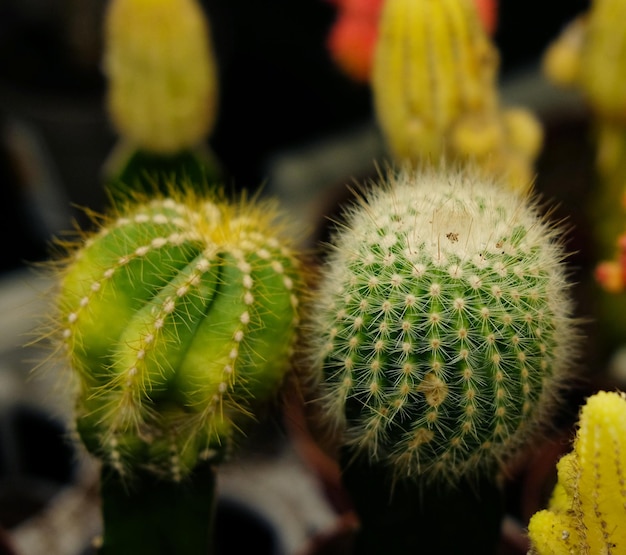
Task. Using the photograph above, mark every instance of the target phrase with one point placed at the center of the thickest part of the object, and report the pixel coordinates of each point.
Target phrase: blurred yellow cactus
(603, 59)
(591, 53)
(161, 73)
(435, 91)
(587, 511)
(561, 61)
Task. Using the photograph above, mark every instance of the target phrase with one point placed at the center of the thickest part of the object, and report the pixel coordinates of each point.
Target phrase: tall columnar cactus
(587, 512)
(443, 328)
(178, 317)
(162, 88)
(435, 91)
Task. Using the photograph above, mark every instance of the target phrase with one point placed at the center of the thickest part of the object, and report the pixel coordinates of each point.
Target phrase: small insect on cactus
(444, 332)
(178, 317)
(587, 511)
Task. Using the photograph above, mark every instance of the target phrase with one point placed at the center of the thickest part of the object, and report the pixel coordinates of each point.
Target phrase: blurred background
(280, 93)
(289, 120)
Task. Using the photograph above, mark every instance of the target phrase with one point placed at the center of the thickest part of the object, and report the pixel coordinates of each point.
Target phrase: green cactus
(178, 317)
(443, 326)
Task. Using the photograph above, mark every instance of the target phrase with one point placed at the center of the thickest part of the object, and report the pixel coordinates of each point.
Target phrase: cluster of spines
(436, 357)
(137, 303)
(587, 511)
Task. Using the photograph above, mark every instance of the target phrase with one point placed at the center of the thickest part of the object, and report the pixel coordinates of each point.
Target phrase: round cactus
(443, 325)
(177, 316)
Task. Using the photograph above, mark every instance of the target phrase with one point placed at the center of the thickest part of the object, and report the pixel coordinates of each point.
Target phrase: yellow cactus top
(433, 63)
(603, 59)
(591, 54)
(435, 94)
(162, 76)
(587, 511)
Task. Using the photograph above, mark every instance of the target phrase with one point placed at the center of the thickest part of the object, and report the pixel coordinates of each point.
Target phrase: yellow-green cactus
(603, 65)
(433, 63)
(434, 83)
(177, 316)
(161, 73)
(587, 511)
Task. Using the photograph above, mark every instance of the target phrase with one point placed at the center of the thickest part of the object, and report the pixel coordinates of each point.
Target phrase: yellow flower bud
(476, 135)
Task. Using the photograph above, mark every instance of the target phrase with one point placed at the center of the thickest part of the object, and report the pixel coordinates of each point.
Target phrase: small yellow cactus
(435, 93)
(433, 63)
(587, 511)
(590, 53)
(590, 56)
(603, 59)
(161, 71)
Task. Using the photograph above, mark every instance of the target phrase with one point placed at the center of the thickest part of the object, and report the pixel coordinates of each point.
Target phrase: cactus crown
(443, 324)
(177, 316)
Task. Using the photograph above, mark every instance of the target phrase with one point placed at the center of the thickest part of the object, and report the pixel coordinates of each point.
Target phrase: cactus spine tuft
(177, 316)
(444, 325)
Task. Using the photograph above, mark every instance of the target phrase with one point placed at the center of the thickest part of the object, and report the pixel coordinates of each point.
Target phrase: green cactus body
(178, 317)
(444, 325)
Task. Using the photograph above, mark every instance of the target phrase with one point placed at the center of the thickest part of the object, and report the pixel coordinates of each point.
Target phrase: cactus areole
(444, 327)
(178, 318)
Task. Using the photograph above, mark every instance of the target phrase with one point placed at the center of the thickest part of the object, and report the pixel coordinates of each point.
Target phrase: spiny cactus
(434, 84)
(443, 325)
(178, 317)
(587, 512)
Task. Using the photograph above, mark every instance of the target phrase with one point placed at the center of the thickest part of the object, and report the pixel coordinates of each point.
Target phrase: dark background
(279, 88)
